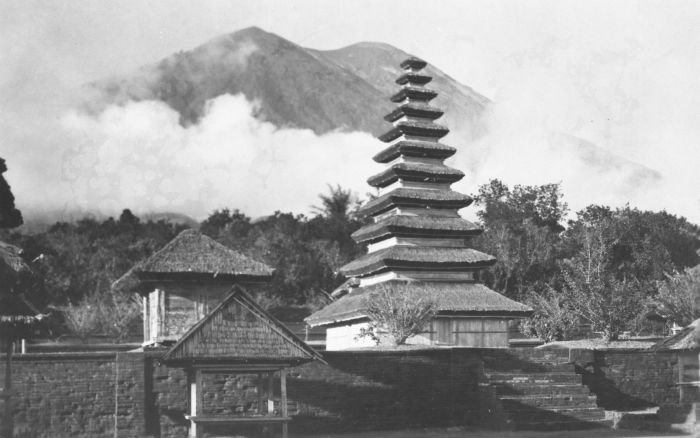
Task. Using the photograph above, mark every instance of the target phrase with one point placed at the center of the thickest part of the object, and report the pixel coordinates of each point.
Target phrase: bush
(103, 313)
(392, 311)
(553, 317)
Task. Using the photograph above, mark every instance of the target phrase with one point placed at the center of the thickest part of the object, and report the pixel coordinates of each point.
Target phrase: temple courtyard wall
(94, 394)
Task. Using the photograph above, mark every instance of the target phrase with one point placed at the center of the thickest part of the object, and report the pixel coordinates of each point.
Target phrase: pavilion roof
(448, 297)
(192, 252)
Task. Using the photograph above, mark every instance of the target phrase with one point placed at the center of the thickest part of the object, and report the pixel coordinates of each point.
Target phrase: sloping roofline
(238, 293)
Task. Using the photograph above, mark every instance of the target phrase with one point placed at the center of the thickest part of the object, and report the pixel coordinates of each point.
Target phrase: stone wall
(629, 379)
(67, 394)
(73, 394)
(89, 394)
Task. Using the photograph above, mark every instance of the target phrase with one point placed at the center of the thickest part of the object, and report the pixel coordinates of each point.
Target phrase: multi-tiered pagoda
(417, 242)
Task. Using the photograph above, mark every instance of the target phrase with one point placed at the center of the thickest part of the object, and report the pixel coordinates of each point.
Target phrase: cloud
(138, 156)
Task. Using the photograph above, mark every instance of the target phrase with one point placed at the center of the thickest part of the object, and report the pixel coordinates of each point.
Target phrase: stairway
(540, 390)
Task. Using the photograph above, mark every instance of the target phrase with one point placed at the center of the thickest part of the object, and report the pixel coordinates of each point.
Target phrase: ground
(600, 344)
(473, 433)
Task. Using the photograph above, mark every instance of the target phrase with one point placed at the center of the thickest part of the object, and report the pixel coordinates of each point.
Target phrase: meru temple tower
(417, 241)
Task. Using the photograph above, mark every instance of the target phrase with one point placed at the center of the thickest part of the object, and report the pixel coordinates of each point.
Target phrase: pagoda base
(445, 331)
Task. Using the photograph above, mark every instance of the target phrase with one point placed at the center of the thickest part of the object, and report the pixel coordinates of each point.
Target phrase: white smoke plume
(138, 156)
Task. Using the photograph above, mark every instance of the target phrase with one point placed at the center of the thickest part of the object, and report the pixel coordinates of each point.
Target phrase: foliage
(598, 294)
(679, 297)
(10, 216)
(553, 316)
(522, 230)
(103, 313)
(393, 312)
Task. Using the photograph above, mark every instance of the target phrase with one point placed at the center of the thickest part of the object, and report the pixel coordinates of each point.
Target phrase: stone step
(527, 367)
(543, 378)
(549, 401)
(529, 414)
(538, 388)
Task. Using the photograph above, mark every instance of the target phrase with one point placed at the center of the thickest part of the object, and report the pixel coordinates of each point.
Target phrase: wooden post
(270, 393)
(283, 400)
(8, 422)
(195, 383)
(261, 403)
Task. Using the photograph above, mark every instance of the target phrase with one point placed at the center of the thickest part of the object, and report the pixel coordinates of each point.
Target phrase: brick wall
(629, 379)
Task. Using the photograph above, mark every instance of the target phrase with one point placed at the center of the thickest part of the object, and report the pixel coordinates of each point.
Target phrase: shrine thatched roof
(16, 314)
(12, 265)
(449, 298)
(192, 252)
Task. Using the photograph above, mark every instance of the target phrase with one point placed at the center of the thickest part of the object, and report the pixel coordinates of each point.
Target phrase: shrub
(393, 312)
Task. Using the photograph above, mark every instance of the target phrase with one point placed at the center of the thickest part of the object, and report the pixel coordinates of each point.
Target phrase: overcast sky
(624, 75)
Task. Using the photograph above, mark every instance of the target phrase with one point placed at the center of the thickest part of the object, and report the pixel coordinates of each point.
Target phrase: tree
(394, 312)
(679, 297)
(10, 217)
(522, 230)
(607, 299)
(553, 316)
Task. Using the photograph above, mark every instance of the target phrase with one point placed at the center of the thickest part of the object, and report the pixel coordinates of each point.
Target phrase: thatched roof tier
(449, 298)
(414, 93)
(414, 109)
(239, 331)
(416, 226)
(415, 148)
(192, 254)
(413, 258)
(413, 78)
(415, 128)
(413, 63)
(419, 172)
(686, 339)
(421, 198)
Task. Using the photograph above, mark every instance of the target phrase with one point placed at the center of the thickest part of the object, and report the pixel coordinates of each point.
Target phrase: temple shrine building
(417, 241)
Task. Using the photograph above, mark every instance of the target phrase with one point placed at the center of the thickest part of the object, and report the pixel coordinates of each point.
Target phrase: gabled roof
(191, 252)
(449, 298)
(238, 330)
